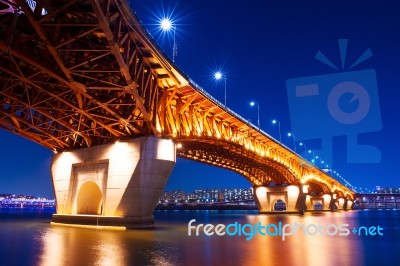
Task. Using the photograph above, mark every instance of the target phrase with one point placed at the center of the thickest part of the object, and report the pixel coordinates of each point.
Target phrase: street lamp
(294, 140)
(218, 75)
(166, 25)
(258, 113)
(279, 127)
(312, 155)
(305, 148)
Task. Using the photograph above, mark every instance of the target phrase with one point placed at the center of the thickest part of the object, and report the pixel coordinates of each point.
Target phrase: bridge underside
(258, 170)
(78, 75)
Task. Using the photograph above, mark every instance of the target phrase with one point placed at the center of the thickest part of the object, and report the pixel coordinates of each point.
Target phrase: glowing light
(261, 193)
(166, 24)
(349, 204)
(258, 113)
(293, 190)
(218, 75)
(341, 202)
(179, 146)
(165, 150)
(328, 197)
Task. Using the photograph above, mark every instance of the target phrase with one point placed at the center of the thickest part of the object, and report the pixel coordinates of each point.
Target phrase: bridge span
(86, 80)
(377, 201)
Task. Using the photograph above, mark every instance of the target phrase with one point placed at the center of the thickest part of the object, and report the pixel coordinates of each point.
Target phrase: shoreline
(205, 207)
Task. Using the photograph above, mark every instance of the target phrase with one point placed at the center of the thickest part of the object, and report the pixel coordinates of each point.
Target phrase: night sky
(259, 46)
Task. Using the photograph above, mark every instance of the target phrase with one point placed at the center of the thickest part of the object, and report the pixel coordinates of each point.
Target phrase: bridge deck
(78, 74)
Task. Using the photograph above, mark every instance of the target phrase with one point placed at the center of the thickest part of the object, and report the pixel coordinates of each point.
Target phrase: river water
(327, 238)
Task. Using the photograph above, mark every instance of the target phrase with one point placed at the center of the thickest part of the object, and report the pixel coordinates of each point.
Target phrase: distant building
(207, 196)
(20, 201)
(383, 190)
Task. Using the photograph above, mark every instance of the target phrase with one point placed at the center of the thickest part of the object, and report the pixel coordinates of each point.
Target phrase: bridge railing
(239, 117)
(303, 160)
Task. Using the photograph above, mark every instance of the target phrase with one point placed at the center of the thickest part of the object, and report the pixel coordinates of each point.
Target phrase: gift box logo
(344, 103)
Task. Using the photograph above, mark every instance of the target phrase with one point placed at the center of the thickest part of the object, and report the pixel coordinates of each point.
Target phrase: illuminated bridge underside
(77, 74)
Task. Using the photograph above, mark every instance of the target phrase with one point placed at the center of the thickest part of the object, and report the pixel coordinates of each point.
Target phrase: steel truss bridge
(81, 73)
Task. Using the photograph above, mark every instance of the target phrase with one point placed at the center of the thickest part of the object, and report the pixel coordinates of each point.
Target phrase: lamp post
(312, 155)
(305, 148)
(218, 75)
(317, 161)
(294, 140)
(279, 128)
(258, 113)
(166, 25)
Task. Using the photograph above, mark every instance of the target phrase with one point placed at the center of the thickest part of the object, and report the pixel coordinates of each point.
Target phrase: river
(230, 238)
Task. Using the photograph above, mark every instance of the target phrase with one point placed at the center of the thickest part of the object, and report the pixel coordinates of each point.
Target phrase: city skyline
(279, 41)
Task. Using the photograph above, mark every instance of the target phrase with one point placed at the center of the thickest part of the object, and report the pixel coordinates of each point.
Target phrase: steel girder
(80, 73)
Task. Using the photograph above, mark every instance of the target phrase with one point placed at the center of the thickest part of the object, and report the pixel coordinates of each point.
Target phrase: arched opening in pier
(318, 206)
(280, 205)
(89, 199)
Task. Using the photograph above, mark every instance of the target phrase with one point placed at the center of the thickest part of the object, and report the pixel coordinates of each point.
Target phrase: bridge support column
(319, 202)
(292, 196)
(112, 185)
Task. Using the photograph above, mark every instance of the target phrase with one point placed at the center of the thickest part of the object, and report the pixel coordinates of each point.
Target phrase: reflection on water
(80, 247)
(31, 240)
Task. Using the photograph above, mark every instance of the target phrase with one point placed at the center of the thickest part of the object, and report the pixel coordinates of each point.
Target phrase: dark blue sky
(259, 45)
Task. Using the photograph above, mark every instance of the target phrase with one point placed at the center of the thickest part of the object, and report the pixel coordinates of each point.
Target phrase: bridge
(377, 201)
(86, 80)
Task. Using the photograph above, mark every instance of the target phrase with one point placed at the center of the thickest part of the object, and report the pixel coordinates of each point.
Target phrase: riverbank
(206, 207)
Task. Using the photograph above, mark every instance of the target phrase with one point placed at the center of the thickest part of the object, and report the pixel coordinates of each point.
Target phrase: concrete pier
(114, 184)
(292, 196)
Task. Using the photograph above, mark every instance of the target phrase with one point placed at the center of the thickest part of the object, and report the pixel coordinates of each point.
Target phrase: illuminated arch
(348, 196)
(339, 193)
(89, 199)
(315, 187)
(259, 170)
(279, 205)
